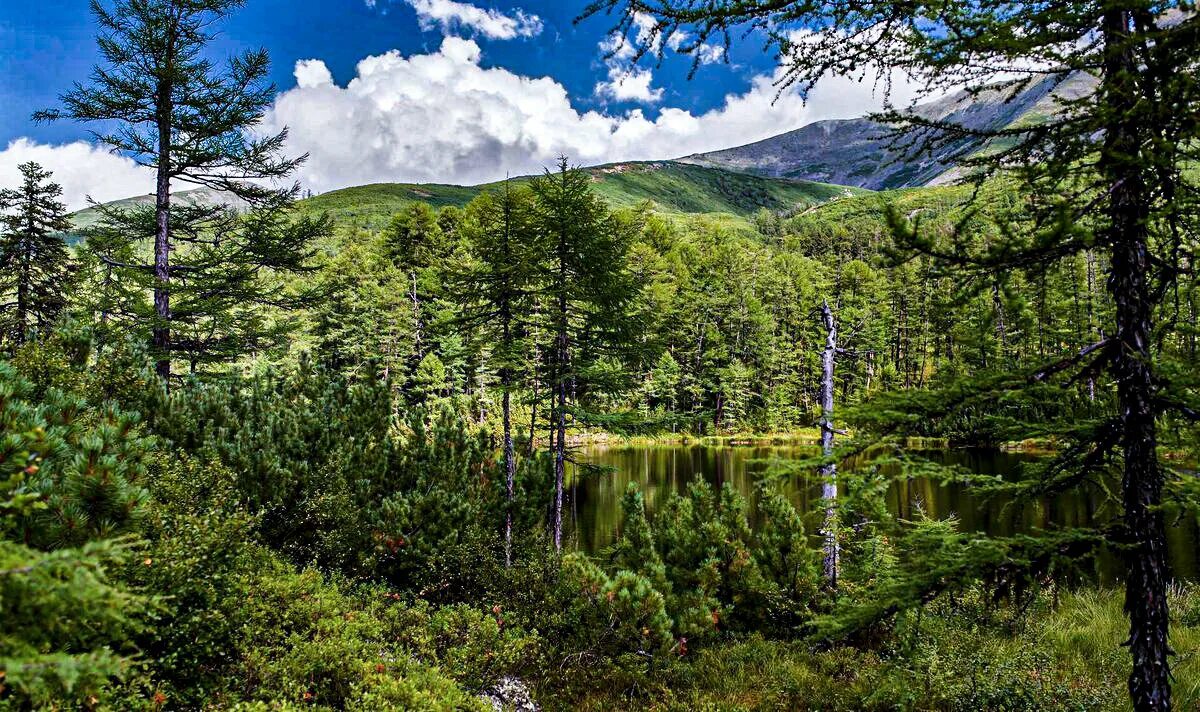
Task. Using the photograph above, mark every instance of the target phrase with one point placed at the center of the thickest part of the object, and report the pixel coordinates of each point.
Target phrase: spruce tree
(161, 101)
(35, 265)
(1108, 172)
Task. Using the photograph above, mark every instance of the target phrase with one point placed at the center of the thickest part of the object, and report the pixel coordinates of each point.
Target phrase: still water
(660, 470)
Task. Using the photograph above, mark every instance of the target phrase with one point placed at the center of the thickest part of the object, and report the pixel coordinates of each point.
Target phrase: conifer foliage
(1112, 170)
(161, 101)
(35, 264)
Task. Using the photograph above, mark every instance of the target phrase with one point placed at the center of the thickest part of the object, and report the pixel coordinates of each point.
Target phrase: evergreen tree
(35, 265)
(162, 102)
(1108, 172)
(231, 293)
(68, 490)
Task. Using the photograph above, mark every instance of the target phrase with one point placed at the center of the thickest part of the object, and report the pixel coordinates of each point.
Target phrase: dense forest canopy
(265, 452)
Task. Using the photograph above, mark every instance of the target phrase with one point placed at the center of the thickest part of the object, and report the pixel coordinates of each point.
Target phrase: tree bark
(506, 378)
(161, 333)
(560, 419)
(828, 471)
(1128, 238)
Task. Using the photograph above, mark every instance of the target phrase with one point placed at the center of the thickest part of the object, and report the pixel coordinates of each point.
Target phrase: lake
(594, 514)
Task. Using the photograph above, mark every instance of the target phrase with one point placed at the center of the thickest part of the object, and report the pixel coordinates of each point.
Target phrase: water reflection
(662, 470)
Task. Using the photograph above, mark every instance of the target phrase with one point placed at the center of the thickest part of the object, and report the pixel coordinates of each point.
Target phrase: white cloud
(312, 73)
(709, 54)
(80, 168)
(441, 117)
(626, 81)
(449, 14)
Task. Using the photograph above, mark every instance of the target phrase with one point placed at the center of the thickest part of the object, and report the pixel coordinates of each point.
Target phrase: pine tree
(68, 476)
(1107, 172)
(35, 265)
(162, 102)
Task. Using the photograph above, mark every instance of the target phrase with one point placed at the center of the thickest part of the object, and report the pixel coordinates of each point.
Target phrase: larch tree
(160, 100)
(497, 289)
(35, 264)
(1106, 172)
(580, 249)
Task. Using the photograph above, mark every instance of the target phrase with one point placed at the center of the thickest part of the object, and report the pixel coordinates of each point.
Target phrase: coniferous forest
(272, 450)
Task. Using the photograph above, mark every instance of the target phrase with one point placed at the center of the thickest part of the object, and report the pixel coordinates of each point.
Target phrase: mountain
(199, 196)
(857, 152)
(673, 187)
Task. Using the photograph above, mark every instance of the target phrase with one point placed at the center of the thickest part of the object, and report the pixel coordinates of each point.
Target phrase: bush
(69, 496)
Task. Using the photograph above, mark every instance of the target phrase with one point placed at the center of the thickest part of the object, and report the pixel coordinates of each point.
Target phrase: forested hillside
(266, 450)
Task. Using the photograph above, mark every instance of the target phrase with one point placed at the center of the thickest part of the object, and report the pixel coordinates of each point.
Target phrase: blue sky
(423, 90)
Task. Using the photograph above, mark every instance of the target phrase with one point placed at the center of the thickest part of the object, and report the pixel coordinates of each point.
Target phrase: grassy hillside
(89, 216)
(674, 187)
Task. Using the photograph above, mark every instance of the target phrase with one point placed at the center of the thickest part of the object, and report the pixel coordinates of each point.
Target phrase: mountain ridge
(672, 186)
(860, 152)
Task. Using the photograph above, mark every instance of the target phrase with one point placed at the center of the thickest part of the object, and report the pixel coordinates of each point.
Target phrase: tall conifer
(35, 264)
(1107, 172)
(161, 101)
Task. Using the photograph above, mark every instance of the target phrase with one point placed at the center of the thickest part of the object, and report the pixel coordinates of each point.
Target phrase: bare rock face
(861, 153)
(510, 695)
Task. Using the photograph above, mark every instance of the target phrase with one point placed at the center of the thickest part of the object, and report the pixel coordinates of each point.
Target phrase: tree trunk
(560, 420)
(510, 468)
(1128, 210)
(1001, 329)
(510, 473)
(23, 295)
(161, 333)
(829, 471)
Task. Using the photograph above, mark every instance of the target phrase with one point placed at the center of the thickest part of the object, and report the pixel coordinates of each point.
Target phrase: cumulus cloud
(312, 73)
(491, 23)
(626, 81)
(80, 168)
(441, 117)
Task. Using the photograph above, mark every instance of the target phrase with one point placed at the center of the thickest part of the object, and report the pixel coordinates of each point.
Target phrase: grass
(959, 655)
(675, 188)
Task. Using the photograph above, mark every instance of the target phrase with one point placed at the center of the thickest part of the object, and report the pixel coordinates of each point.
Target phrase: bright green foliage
(714, 572)
(364, 324)
(311, 642)
(624, 601)
(429, 382)
(63, 622)
(84, 466)
(472, 646)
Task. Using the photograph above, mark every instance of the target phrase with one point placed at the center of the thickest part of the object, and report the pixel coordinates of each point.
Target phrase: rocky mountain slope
(860, 153)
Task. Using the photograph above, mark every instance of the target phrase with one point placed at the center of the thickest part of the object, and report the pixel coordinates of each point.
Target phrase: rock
(510, 695)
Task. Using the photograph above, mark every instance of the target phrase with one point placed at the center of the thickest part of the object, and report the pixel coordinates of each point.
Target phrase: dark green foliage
(67, 478)
(161, 100)
(35, 266)
(310, 453)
